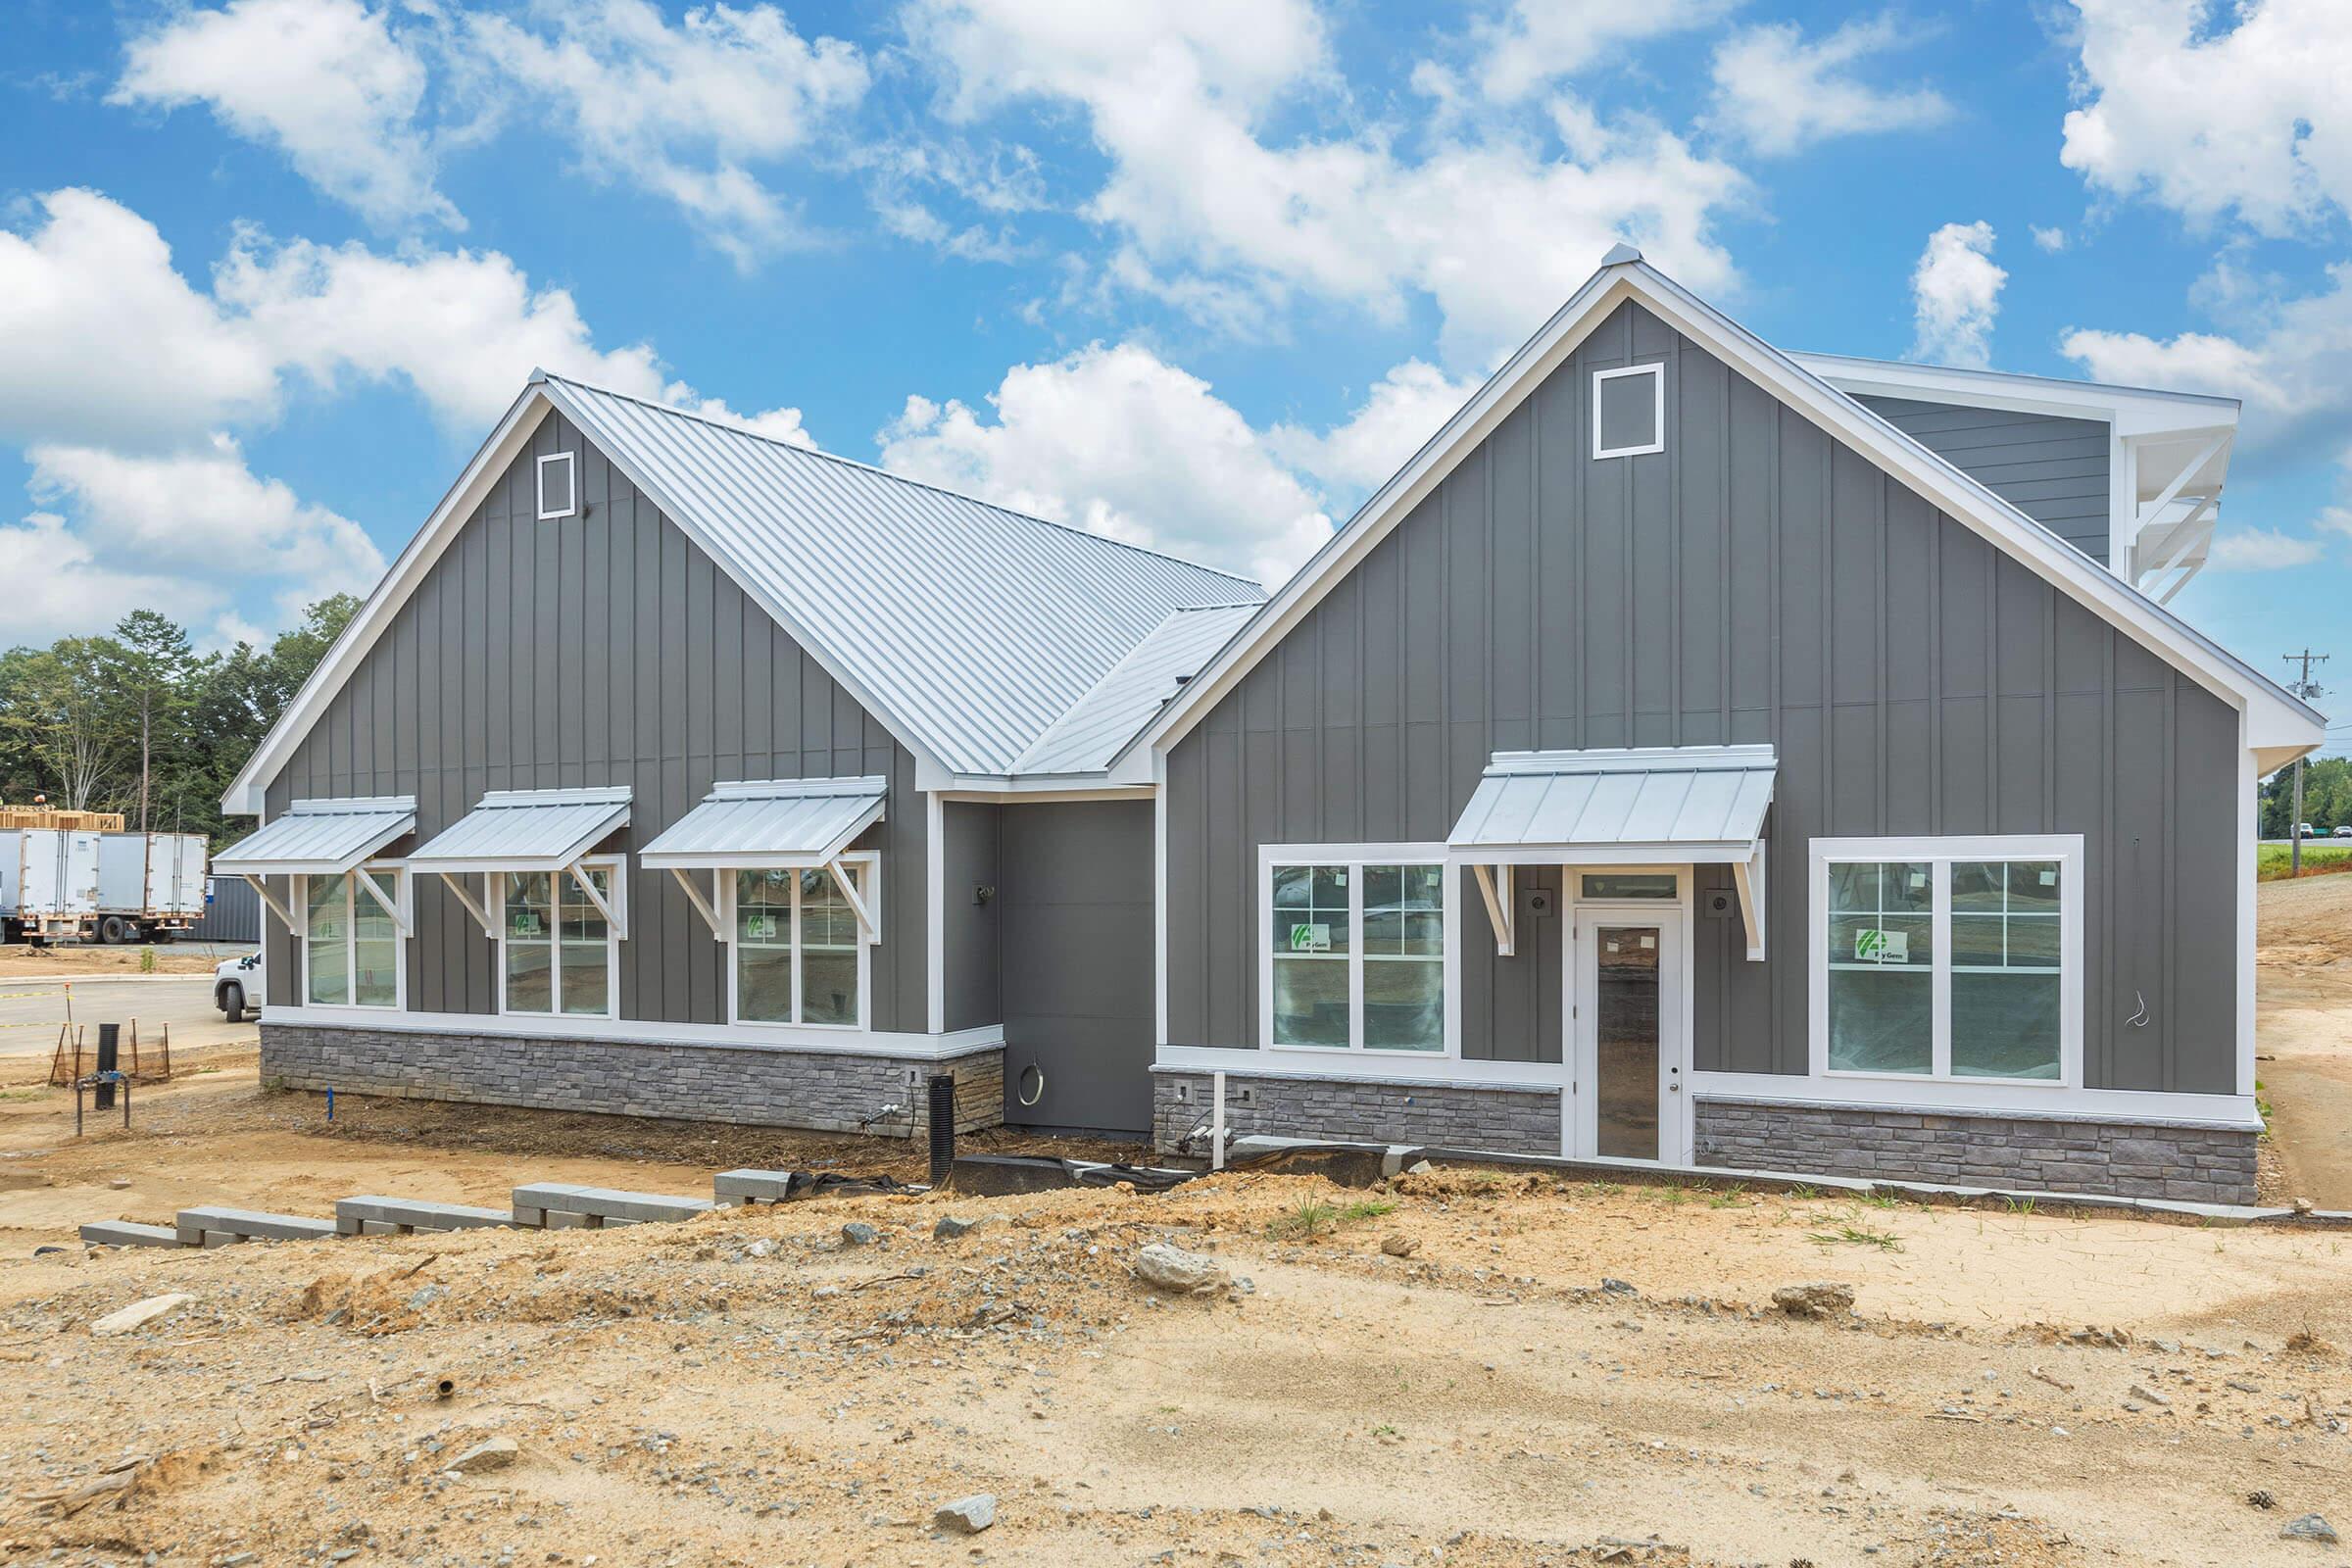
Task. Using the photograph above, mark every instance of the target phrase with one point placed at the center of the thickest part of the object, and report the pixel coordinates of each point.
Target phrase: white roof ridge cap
(613, 794)
(351, 805)
(778, 789)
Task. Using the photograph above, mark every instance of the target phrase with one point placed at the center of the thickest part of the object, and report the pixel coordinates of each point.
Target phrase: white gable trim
(2272, 717)
(505, 443)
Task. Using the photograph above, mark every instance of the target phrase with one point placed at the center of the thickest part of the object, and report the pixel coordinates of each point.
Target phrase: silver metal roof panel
(760, 823)
(320, 838)
(970, 629)
(1099, 723)
(1687, 802)
(525, 830)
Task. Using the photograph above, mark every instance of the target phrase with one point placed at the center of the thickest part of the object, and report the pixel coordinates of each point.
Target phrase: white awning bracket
(856, 902)
(389, 903)
(479, 911)
(1749, 877)
(587, 884)
(1501, 911)
(706, 908)
(261, 885)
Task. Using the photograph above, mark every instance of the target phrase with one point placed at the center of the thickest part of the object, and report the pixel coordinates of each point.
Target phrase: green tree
(63, 709)
(153, 669)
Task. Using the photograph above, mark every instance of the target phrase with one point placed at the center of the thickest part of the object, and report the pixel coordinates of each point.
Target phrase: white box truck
(150, 886)
(48, 883)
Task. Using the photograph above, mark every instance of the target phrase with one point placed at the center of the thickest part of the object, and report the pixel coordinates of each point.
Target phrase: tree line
(136, 720)
(2326, 795)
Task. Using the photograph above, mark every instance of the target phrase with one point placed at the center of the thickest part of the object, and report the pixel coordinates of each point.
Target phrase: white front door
(1625, 1010)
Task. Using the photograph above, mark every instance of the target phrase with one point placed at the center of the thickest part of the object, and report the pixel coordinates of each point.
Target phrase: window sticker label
(525, 924)
(1883, 947)
(1307, 936)
(760, 927)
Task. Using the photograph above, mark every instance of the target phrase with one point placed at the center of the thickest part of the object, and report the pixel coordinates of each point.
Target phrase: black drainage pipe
(110, 1059)
(942, 1126)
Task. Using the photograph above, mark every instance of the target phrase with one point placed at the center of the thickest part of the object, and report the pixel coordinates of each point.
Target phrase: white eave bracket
(1494, 887)
(478, 908)
(857, 901)
(261, 885)
(1749, 877)
(706, 908)
(587, 884)
(387, 902)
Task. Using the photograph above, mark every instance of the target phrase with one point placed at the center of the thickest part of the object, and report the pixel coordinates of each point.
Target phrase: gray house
(1695, 755)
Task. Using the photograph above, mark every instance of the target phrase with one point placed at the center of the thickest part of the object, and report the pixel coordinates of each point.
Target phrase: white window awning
(1645, 805)
(770, 824)
(525, 830)
(319, 838)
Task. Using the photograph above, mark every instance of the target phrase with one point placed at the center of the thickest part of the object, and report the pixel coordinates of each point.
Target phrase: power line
(2305, 687)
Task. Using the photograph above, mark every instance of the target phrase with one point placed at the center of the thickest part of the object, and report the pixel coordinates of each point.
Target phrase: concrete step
(594, 1206)
(128, 1233)
(733, 1187)
(224, 1227)
(403, 1216)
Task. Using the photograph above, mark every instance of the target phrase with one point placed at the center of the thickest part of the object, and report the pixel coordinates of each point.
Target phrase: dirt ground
(1557, 1373)
(2303, 1039)
(73, 959)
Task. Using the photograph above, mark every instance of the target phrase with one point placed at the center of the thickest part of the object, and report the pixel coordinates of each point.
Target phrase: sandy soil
(748, 1389)
(2304, 1034)
(170, 958)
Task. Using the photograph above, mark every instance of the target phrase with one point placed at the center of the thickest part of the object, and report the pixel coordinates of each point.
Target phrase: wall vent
(559, 487)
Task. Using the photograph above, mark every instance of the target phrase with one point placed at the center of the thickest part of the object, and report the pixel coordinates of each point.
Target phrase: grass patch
(2272, 861)
(1313, 1216)
(1848, 1234)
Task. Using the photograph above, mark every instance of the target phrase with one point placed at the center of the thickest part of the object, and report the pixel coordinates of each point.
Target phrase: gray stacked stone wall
(1510, 1120)
(763, 1086)
(2188, 1161)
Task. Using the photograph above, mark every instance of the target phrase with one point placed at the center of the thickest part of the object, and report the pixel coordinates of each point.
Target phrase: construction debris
(139, 1314)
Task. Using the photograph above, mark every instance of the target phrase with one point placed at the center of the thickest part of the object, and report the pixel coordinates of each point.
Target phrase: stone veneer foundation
(763, 1086)
(1503, 1118)
(2191, 1161)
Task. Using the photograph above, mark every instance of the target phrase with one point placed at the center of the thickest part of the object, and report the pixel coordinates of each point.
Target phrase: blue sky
(1197, 273)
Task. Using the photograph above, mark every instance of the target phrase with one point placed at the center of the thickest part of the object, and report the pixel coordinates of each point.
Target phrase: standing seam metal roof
(1667, 796)
(525, 830)
(1086, 738)
(974, 627)
(774, 821)
(321, 836)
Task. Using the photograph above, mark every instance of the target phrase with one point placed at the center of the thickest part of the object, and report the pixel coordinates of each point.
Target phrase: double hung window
(1355, 954)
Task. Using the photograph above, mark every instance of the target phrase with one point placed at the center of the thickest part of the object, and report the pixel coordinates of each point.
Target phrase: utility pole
(2305, 687)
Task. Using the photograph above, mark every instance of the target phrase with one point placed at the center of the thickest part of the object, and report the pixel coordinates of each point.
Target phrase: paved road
(31, 1010)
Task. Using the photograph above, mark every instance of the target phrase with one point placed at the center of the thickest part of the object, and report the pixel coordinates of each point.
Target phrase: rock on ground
(1172, 1268)
(968, 1516)
(139, 1314)
(494, 1453)
(1818, 1300)
(858, 1233)
(2310, 1527)
(1401, 1245)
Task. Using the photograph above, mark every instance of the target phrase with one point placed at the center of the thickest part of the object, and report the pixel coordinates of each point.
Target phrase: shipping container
(149, 885)
(48, 883)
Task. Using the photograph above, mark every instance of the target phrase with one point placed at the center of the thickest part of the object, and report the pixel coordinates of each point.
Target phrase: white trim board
(2274, 718)
(638, 1032)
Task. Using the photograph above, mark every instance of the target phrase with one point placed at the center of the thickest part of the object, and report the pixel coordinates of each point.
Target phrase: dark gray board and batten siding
(604, 649)
(1757, 582)
(2051, 469)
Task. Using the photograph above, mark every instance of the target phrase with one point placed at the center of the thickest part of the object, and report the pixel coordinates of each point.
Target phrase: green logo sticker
(1308, 936)
(1882, 946)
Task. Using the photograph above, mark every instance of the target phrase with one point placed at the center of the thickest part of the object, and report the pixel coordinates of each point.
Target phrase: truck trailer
(48, 883)
(62, 885)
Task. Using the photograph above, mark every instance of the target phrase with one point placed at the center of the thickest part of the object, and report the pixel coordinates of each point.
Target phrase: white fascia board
(2131, 411)
(2274, 718)
(244, 795)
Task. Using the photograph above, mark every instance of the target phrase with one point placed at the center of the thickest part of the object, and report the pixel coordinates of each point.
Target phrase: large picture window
(799, 956)
(558, 953)
(351, 946)
(1355, 953)
(1949, 958)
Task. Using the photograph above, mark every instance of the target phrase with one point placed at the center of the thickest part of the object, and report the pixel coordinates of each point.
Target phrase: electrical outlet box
(1184, 1094)
(1717, 905)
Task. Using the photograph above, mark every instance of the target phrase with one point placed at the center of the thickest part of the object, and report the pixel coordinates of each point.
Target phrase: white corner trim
(635, 1032)
(935, 914)
(571, 486)
(1656, 371)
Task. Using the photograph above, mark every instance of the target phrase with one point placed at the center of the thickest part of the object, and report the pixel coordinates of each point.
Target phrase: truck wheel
(233, 1003)
(114, 931)
(162, 935)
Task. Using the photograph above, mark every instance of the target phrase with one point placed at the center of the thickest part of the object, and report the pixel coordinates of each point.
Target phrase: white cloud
(323, 80)
(2052, 240)
(1538, 41)
(76, 589)
(102, 340)
(1781, 92)
(1404, 409)
(2263, 549)
(685, 110)
(2290, 361)
(2336, 520)
(1120, 443)
(2210, 121)
(1496, 230)
(1955, 294)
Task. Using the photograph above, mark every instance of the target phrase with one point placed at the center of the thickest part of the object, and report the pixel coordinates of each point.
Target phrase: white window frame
(866, 864)
(1354, 857)
(2066, 848)
(571, 486)
(1657, 374)
(619, 897)
(402, 899)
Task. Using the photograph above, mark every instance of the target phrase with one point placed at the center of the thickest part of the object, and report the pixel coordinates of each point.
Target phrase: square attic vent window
(1628, 411)
(559, 491)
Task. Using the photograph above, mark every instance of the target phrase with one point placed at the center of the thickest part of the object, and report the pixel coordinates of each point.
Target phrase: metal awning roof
(756, 825)
(320, 838)
(1675, 804)
(525, 830)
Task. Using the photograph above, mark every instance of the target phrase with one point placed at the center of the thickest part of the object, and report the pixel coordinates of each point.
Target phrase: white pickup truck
(237, 987)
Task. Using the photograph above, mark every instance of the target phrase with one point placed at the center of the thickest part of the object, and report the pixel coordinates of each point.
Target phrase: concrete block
(600, 1203)
(731, 1186)
(128, 1233)
(245, 1224)
(212, 1239)
(406, 1216)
